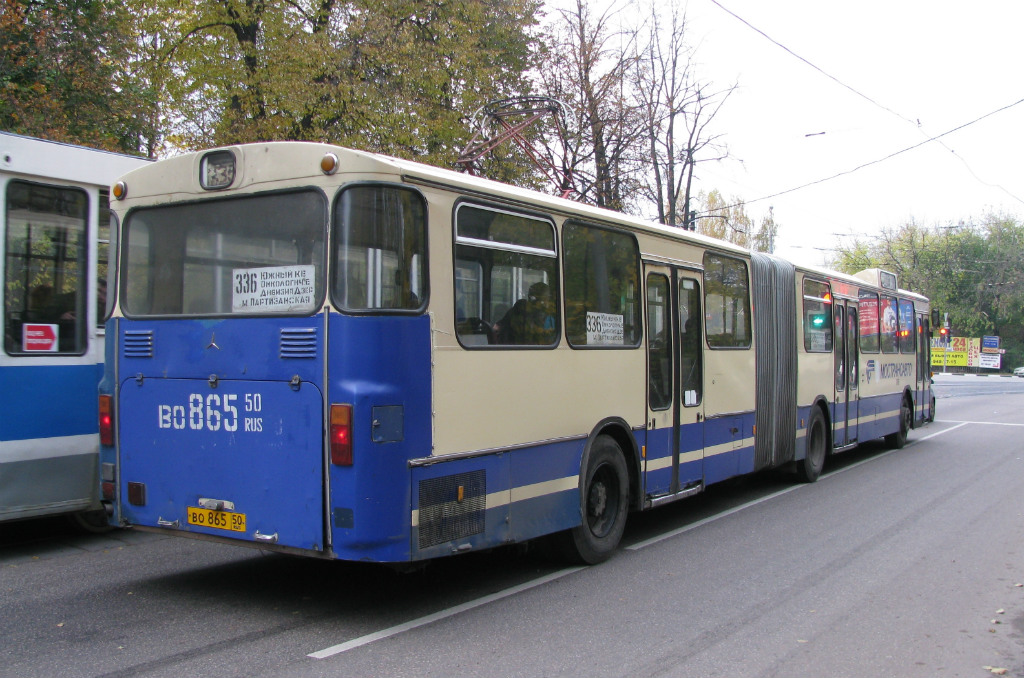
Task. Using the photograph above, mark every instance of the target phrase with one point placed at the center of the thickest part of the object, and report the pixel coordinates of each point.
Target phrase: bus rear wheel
(809, 468)
(897, 440)
(604, 505)
(93, 522)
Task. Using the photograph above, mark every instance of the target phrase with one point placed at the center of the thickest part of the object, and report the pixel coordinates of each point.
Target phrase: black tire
(931, 412)
(897, 440)
(809, 468)
(604, 504)
(93, 522)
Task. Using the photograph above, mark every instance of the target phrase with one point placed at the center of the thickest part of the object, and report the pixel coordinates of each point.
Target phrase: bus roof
(302, 154)
(291, 153)
(66, 162)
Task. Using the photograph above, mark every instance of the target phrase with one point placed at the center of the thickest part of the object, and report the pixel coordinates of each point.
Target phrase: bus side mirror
(935, 317)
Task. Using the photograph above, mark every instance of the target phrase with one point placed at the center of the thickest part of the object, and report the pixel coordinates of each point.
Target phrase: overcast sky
(935, 64)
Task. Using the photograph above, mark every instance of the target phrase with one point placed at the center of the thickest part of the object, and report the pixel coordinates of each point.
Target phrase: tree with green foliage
(973, 272)
(399, 76)
(61, 74)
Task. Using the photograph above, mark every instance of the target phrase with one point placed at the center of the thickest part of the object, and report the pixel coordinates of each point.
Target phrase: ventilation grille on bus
(452, 507)
(298, 342)
(138, 343)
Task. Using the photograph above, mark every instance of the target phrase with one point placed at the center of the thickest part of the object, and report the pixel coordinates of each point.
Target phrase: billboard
(963, 352)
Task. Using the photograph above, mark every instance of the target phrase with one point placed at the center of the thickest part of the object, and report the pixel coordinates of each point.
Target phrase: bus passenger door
(674, 453)
(923, 411)
(840, 413)
(852, 340)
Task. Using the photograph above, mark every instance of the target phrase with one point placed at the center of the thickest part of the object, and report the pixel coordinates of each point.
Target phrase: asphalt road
(901, 563)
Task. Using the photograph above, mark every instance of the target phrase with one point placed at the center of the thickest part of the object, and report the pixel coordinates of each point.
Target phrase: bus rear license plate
(221, 520)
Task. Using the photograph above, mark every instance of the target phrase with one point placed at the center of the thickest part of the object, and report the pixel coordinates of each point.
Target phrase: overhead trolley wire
(915, 123)
(891, 155)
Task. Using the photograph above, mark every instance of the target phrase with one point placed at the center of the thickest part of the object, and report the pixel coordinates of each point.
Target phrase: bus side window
(603, 299)
(868, 317)
(45, 254)
(726, 301)
(817, 317)
(908, 333)
(888, 324)
(506, 279)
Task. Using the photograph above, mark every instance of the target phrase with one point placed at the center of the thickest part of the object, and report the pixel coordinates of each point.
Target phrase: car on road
(1019, 372)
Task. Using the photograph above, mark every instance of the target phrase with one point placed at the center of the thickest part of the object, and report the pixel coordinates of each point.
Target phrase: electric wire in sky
(915, 123)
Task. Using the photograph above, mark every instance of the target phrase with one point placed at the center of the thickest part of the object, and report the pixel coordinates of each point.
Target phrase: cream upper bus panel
(559, 393)
(559, 208)
(255, 167)
(439, 258)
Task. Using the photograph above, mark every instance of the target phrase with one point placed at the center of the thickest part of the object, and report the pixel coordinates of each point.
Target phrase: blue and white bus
(339, 354)
(56, 229)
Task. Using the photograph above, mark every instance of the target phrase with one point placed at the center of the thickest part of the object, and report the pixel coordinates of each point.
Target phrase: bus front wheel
(897, 440)
(809, 468)
(604, 504)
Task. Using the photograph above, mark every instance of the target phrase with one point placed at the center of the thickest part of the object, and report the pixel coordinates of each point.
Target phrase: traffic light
(944, 335)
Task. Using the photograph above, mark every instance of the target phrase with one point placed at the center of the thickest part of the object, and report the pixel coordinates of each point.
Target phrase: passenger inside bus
(530, 321)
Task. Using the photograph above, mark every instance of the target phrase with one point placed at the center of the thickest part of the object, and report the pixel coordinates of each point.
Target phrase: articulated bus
(333, 353)
(56, 224)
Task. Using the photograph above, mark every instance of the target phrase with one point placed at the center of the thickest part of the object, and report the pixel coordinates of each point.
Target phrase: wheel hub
(598, 499)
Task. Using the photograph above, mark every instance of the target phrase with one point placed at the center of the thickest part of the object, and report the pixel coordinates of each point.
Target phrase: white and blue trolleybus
(340, 354)
(56, 230)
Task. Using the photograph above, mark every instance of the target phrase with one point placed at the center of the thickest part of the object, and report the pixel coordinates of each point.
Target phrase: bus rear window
(258, 255)
(380, 241)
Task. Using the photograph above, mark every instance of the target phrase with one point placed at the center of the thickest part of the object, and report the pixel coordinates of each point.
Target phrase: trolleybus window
(888, 325)
(261, 254)
(659, 342)
(726, 302)
(817, 317)
(506, 278)
(908, 338)
(868, 311)
(45, 254)
(380, 249)
(690, 347)
(602, 287)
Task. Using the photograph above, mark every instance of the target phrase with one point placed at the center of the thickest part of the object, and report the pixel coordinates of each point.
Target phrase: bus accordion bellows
(53, 198)
(340, 354)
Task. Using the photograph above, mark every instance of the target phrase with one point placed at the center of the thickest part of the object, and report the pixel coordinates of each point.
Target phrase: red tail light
(106, 420)
(341, 435)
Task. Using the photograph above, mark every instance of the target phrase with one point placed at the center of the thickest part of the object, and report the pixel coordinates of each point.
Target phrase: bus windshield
(256, 255)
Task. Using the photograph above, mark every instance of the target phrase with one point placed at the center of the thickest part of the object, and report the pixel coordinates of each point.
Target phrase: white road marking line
(437, 616)
(526, 586)
(983, 423)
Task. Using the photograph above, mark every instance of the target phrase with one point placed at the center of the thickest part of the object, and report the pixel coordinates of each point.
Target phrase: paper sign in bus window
(275, 289)
(604, 329)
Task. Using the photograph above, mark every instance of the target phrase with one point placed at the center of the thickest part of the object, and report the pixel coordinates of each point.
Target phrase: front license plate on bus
(221, 520)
